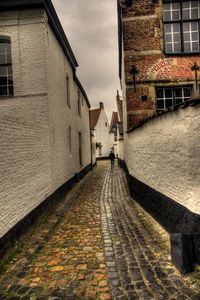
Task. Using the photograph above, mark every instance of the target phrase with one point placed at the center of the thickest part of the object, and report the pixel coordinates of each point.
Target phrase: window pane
(168, 93)
(187, 47)
(3, 91)
(9, 70)
(8, 58)
(195, 46)
(10, 80)
(167, 16)
(168, 103)
(167, 28)
(186, 27)
(2, 59)
(3, 81)
(168, 48)
(177, 38)
(178, 101)
(10, 90)
(187, 92)
(178, 92)
(168, 38)
(186, 37)
(160, 104)
(194, 26)
(175, 15)
(3, 71)
(159, 93)
(177, 47)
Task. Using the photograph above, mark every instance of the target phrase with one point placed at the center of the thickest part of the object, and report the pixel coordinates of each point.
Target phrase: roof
(82, 90)
(120, 109)
(6, 5)
(114, 120)
(94, 117)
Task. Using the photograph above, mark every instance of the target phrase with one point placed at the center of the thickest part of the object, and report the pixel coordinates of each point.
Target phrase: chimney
(117, 97)
(101, 105)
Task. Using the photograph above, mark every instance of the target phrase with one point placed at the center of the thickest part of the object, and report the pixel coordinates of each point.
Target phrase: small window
(79, 103)
(68, 91)
(106, 124)
(6, 75)
(82, 101)
(172, 96)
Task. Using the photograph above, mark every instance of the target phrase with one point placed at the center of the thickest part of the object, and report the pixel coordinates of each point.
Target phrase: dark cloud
(91, 28)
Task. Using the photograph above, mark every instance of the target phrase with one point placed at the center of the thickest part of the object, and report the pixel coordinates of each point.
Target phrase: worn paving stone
(97, 244)
(139, 254)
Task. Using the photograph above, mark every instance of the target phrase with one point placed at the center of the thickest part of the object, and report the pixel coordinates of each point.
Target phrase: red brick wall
(146, 34)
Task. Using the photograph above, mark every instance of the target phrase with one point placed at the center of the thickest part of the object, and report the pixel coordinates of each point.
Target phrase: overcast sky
(91, 28)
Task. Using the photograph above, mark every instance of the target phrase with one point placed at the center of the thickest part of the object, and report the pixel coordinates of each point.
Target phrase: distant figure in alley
(112, 157)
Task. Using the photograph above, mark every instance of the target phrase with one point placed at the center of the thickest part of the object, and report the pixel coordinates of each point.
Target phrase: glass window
(173, 96)
(181, 26)
(6, 77)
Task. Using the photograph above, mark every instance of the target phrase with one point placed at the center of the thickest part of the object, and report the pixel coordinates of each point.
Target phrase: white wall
(164, 154)
(102, 135)
(34, 150)
(64, 163)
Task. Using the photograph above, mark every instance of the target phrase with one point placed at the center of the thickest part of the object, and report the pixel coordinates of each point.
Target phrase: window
(79, 103)
(106, 124)
(181, 26)
(70, 139)
(172, 96)
(6, 77)
(68, 91)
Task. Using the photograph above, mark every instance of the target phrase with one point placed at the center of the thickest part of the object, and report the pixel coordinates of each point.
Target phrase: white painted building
(44, 111)
(101, 131)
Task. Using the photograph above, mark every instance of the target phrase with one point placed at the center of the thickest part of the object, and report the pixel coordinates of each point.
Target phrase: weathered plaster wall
(164, 154)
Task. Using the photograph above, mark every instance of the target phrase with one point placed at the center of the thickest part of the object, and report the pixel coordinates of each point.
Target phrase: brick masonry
(143, 47)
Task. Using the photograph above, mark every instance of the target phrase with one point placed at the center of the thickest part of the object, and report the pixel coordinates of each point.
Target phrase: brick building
(44, 113)
(159, 46)
(159, 61)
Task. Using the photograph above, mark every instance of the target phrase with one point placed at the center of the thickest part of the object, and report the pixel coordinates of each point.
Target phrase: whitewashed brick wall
(164, 154)
(34, 150)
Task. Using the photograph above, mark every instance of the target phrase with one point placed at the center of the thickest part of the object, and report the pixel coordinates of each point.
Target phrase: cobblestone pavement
(97, 244)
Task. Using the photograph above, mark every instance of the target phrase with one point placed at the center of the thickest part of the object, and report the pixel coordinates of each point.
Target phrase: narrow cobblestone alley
(97, 244)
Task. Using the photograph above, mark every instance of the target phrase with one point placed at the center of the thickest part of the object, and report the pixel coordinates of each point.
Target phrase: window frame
(7, 65)
(174, 97)
(181, 21)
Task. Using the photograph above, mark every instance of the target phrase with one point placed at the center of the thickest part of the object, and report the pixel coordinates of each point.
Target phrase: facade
(159, 62)
(44, 110)
(101, 131)
(116, 130)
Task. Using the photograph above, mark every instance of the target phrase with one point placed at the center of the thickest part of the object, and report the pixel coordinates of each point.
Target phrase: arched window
(6, 77)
